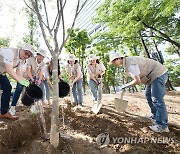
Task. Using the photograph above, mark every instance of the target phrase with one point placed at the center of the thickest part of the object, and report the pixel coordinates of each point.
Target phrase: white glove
(124, 86)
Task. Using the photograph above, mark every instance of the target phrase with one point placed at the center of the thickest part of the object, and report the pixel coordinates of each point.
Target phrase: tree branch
(72, 26)
(35, 6)
(62, 14)
(163, 34)
(34, 11)
(47, 20)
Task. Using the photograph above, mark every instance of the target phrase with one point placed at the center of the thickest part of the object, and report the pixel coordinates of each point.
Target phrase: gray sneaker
(158, 129)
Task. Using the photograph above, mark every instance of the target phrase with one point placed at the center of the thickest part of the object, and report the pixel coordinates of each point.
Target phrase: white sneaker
(158, 129)
(80, 106)
(12, 110)
(76, 108)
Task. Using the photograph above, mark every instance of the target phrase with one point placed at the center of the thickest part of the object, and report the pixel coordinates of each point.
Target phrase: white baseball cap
(93, 57)
(72, 57)
(28, 47)
(113, 55)
(42, 52)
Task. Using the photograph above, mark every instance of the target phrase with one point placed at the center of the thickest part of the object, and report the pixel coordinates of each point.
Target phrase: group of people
(95, 70)
(26, 67)
(142, 70)
(30, 68)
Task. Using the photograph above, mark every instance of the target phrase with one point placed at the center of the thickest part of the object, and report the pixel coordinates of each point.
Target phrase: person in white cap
(21, 70)
(95, 70)
(73, 70)
(35, 69)
(154, 75)
(10, 58)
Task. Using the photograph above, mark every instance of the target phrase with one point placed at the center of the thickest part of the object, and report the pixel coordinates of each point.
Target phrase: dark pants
(17, 93)
(6, 94)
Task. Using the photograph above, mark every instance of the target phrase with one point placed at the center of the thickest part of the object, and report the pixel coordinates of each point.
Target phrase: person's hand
(71, 84)
(32, 81)
(124, 86)
(38, 82)
(97, 82)
(71, 77)
(24, 82)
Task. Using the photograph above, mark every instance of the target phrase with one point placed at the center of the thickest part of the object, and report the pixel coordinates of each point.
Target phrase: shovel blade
(120, 105)
(96, 108)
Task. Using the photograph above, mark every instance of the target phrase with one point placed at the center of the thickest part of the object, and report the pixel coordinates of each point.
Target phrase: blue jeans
(6, 94)
(45, 88)
(94, 90)
(16, 94)
(77, 87)
(155, 96)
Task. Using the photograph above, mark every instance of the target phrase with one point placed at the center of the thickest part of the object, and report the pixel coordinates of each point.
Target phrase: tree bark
(54, 133)
(144, 46)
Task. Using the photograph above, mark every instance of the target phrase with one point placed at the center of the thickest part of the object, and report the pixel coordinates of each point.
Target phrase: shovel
(97, 105)
(120, 104)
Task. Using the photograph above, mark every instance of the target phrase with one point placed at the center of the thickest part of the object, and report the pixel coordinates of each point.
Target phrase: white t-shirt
(134, 70)
(9, 58)
(22, 67)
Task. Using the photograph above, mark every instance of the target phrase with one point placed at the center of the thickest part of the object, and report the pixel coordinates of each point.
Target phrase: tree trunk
(84, 78)
(144, 46)
(106, 87)
(168, 84)
(54, 134)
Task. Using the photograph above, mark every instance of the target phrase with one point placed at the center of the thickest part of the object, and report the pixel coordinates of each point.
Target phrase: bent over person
(10, 58)
(35, 70)
(154, 75)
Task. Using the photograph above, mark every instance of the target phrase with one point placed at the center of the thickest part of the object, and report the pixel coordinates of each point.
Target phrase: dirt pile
(128, 131)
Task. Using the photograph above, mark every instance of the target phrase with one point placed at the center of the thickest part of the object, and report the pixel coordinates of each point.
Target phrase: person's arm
(136, 80)
(19, 73)
(91, 75)
(40, 75)
(49, 83)
(12, 73)
(77, 77)
(102, 69)
(134, 72)
(28, 71)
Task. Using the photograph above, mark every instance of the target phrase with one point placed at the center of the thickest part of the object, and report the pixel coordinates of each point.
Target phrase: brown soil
(82, 127)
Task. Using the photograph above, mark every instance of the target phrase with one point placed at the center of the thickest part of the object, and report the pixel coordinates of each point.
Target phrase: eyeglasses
(115, 59)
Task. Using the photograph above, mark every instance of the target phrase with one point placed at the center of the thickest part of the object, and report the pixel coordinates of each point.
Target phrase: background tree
(77, 44)
(173, 66)
(33, 35)
(133, 22)
(128, 18)
(4, 42)
(51, 34)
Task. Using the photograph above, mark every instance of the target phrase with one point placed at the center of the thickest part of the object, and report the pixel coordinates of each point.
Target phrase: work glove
(24, 82)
